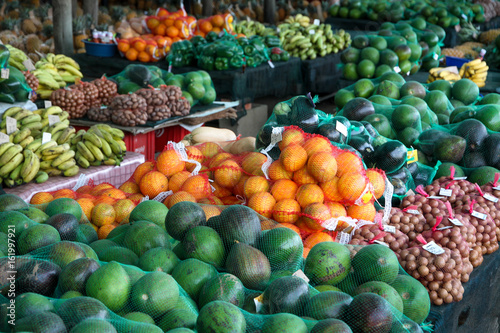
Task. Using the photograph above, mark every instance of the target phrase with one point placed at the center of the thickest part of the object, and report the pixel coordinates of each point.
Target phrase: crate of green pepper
(13, 85)
(220, 55)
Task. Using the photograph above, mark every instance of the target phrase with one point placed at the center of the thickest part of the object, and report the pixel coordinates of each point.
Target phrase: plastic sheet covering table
(115, 175)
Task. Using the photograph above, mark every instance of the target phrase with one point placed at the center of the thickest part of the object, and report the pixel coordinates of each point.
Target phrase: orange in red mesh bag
(277, 171)
(198, 186)
(170, 162)
(153, 183)
(175, 182)
(255, 184)
(252, 163)
(227, 173)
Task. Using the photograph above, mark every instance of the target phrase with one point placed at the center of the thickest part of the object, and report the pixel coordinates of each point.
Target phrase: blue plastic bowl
(100, 50)
(454, 61)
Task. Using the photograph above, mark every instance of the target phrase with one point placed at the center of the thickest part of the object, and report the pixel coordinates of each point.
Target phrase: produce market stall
(115, 175)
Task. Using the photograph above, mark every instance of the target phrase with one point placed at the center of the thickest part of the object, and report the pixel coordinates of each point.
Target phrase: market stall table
(115, 175)
(322, 75)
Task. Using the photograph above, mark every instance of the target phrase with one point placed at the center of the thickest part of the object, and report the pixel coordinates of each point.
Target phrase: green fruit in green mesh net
(221, 317)
(489, 115)
(378, 42)
(74, 276)
(371, 54)
(193, 77)
(37, 236)
(284, 322)
(11, 202)
(413, 88)
(379, 99)
(416, 301)
(62, 253)
(64, 205)
(183, 216)
(144, 235)
(369, 312)
(71, 294)
(364, 88)
(331, 325)
(444, 170)
(326, 287)
(154, 294)
(365, 68)
(66, 224)
(140, 317)
(222, 287)
(342, 97)
(250, 265)
(389, 58)
(191, 274)
(360, 42)
(89, 252)
(405, 116)
(86, 234)
(388, 89)
(465, 91)
(237, 223)
(382, 289)
(134, 273)
(109, 284)
(177, 318)
(327, 263)
(328, 304)
(380, 123)
(283, 247)
(101, 245)
(94, 325)
(121, 255)
(437, 101)
(28, 304)
(149, 210)
(375, 263)
(492, 98)
(181, 330)
(408, 136)
(34, 214)
(188, 96)
(117, 235)
(41, 322)
(18, 220)
(205, 244)
(442, 85)
(393, 77)
(4, 243)
(197, 90)
(158, 259)
(350, 55)
(287, 294)
(483, 175)
(175, 80)
(209, 97)
(207, 80)
(349, 71)
(381, 70)
(75, 310)
(417, 102)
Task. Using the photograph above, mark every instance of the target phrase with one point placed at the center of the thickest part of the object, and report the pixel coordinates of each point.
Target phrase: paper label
(489, 197)
(5, 73)
(11, 125)
(397, 69)
(459, 178)
(312, 32)
(270, 63)
(330, 224)
(4, 138)
(444, 228)
(413, 211)
(53, 119)
(410, 192)
(445, 192)
(258, 303)
(381, 243)
(316, 22)
(479, 215)
(46, 137)
(390, 228)
(345, 238)
(47, 104)
(496, 188)
(435, 197)
(433, 248)
(455, 222)
(29, 65)
(301, 275)
(341, 128)
(412, 156)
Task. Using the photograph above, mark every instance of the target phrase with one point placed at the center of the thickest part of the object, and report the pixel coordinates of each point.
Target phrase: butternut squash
(211, 134)
(243, 145)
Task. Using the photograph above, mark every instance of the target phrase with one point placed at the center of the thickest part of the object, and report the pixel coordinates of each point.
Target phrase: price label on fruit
(459, 178)
(381, 243)
(53, 119)
(46, 137)
(445, 192)
(341, 128)
(5, 73)
(444, 228)
(390, 228)
(496, 188)
(413, 211)
(435, 197)
(455, 222)
(410, 192)
(330, 224)
(412, 156)
(489, 197)
(433, 248)
(316, 22)
(29, 65)
(479, 215)
(301, 275)
(11, 125)
(312, 32)
(47, 104)
(4, 138)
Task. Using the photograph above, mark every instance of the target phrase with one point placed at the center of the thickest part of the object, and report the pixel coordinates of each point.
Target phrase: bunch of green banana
(312, 41)
(17, 57)
(56, 159)
(252, 28)
(65, 66)
(100, 145)
(301, 20)
(475, 70)
(61, 132)
(11, 157)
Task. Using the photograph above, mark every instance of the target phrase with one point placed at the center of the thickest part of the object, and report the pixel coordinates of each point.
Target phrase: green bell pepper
(221, 64)
(236, 61)
(223, 52)
(272, 41)
(207, 63)
(249, 50)
(285, 56)
(250, 62)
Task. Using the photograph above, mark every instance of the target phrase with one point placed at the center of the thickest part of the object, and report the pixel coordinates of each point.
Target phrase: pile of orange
(216, 23)
(104, 206)
(174, 25)
(147, 48)
(312, 182)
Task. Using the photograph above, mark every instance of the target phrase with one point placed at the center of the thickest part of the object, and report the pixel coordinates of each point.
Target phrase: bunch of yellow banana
(11, 157)
(60, 131)
(441, 73)
(100, 145)
(57, 159)
(17, 57)
(67, 68)
(476, 71)
(302, 20)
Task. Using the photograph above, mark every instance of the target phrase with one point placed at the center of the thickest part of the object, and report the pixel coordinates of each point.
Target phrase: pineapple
(27, 26)
(80, 26)
(488, 37)
(33, 43)
(117, 13)
(452, 52)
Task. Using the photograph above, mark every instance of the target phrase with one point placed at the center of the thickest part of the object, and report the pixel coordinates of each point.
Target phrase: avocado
(489, 115)
(444, 170)
(427, 140)
(362, 144)
(474, 159)
(390, 156)
(491, 146)
(483, 175)
(473, 131)
(450, 148)
(358, 108)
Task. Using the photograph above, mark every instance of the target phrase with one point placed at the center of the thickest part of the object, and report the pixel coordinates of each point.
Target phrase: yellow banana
(27, 141)
(9, 154)
(73, 171)
(66, 165)
(82, 148)
(99, 156)
(82, 161)
(63, 158)
(11, 165)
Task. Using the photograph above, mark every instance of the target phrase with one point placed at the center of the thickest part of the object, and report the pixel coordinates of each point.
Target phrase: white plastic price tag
(444, 228)
(381, 243)
(301, 275)
(479, 215)
(455, 222)
(312, 32)
(496, 188)
(270, 63)
(53, 119)
(397, 69)
(390, 229)
(445, 192)
(4, 138)
(490, 197)
(46, 137)
(5, 73)
(11, 125)
(433, 248)
(410, 192)
(316, 22)
(330, 224)
(47, 104)
(341, 128)
(460, 178)
(29, 65)
(435, 197)
(413, 211)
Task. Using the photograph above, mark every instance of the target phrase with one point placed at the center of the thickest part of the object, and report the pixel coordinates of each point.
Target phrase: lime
(197, 90)
(207, 80)
(188, 96)
(209, 97)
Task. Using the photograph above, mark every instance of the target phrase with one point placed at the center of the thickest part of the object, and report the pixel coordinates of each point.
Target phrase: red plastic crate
(172, 133)
(143, 143)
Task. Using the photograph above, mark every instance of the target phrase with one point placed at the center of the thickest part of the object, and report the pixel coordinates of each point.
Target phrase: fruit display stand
(141, 139)
(321, 75)
(115, 175)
